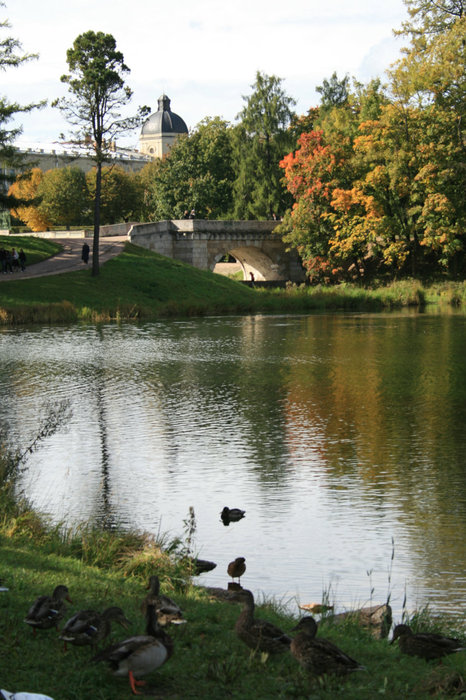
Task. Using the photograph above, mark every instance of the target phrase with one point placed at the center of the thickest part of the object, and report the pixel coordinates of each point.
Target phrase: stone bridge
(203, 243)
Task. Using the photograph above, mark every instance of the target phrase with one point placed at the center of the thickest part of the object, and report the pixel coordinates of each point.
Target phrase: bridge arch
(252, 259)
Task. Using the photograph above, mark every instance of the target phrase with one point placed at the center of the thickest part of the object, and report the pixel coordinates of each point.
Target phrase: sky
(203, 54)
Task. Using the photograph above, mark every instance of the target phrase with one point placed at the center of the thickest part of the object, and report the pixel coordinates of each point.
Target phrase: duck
(167, 610)
(88, 627)
(237, 568)
(231, 515)
(7, 695)
(319, 656)
(259, 635)
(426, 645)
(139, 655)
(47, 611)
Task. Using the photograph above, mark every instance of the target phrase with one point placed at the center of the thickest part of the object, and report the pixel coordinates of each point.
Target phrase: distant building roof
(164, 121)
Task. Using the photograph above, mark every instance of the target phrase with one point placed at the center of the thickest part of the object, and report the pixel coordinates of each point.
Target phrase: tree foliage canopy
(378, 182)
(196, 174)
(261, 139)
(96, 83)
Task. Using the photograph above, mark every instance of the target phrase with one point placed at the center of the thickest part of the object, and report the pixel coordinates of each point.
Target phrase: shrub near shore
(104, 567)
(140, 284)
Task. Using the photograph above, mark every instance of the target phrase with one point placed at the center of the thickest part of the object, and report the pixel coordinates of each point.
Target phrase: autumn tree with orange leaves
(25, 189)
(378, 183)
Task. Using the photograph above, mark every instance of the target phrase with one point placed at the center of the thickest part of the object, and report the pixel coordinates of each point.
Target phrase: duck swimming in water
(231, 515)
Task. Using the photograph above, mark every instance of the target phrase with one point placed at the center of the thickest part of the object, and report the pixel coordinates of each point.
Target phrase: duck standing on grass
(166, 608)
(137, 656)
(426, 645)
(320, 656)
(259, 635)
(237, 568)
(47, 611)
(88, 627)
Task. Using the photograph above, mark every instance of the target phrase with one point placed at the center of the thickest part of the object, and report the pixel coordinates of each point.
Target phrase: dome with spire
(164, 121)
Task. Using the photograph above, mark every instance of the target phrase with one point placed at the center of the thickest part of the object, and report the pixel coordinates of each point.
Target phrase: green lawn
(140, 284)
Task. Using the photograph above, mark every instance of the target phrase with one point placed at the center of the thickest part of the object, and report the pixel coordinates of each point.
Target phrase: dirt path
(69, 259)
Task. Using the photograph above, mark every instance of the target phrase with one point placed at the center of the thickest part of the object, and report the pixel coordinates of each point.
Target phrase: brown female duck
(47, 611)
(237, 568)
(137, 656)
(259, 635)
(427, 645)
(167, 610)
(88, 627)
(319, 656)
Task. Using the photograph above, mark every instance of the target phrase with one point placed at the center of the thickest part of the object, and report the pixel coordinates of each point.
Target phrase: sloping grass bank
(139, 284)
(36, 249)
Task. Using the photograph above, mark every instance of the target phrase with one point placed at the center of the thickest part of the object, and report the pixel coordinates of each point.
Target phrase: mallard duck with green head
(138, 656)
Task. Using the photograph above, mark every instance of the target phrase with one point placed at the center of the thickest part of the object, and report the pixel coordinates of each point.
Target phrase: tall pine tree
(261, 140)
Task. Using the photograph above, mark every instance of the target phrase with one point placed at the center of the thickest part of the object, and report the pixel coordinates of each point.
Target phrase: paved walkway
(69, 259)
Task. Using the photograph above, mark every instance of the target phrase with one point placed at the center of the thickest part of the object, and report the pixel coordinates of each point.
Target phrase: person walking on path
(85, 253)
(22, 259)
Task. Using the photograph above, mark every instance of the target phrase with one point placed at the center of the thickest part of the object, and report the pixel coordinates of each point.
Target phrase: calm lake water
(338, 434)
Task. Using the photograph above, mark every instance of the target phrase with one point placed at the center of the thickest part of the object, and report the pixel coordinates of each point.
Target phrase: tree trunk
(95, 245)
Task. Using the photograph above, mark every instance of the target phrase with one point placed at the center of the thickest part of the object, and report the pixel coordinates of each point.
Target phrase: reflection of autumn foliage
(25, 188)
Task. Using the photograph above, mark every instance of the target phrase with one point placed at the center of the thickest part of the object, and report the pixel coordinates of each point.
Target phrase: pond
(342, 436)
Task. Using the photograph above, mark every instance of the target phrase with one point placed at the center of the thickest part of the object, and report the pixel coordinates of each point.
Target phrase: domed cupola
(161, 129)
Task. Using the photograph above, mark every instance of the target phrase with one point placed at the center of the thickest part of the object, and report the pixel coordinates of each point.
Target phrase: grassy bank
(36, 249)
(103, 568)
(139, 284)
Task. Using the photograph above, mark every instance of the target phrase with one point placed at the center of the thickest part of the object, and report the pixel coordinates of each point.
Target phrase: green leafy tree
(11, 56)
(96, 83)
(432, 69)
(120, 194)
(64, 198)
(261, 139)
(196, 174)
(334, 92)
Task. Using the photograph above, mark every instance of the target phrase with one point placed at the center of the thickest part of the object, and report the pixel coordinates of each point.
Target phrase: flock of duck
(139, 655)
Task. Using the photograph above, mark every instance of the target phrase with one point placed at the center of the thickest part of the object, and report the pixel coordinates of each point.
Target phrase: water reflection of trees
(382, 402)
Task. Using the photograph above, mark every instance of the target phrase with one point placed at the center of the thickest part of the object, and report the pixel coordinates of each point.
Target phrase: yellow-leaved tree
(25, 189)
